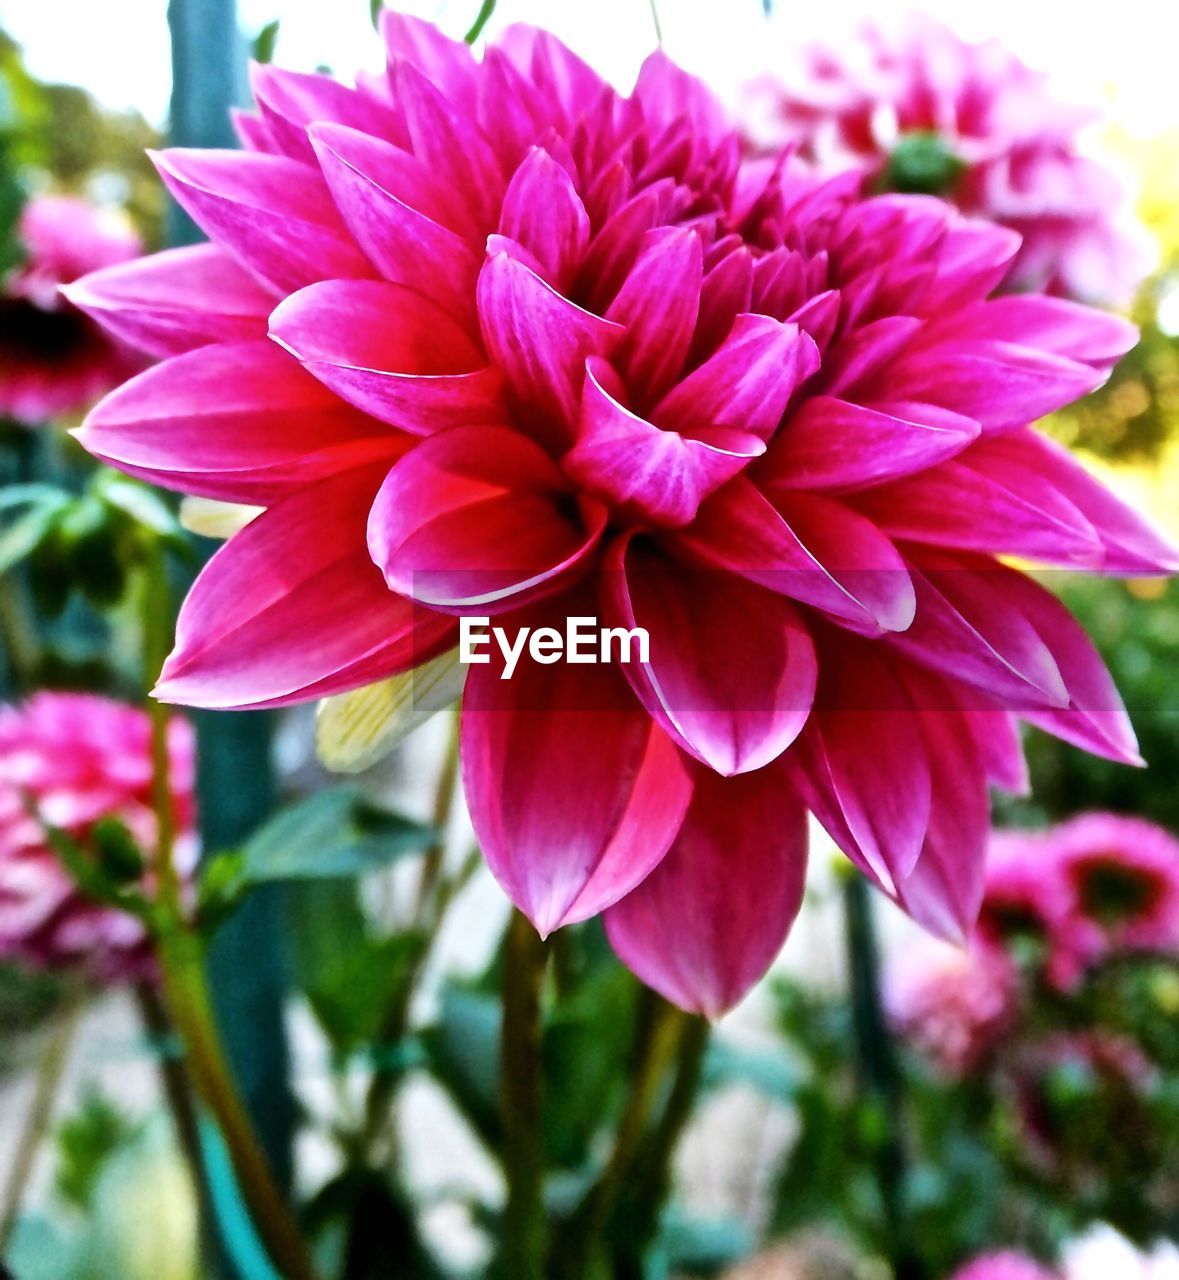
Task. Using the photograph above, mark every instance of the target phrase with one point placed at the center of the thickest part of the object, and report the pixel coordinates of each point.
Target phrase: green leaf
(333, 834)
(463, 1050)
(86, 1140)
(769, 1072)
(264, 42)
(119, 856)
(349, 977)
(141, 504)
(26, 533)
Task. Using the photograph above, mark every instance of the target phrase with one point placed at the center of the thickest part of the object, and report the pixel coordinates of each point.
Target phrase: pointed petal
(477, 520)
(538, 338)
(174, 301)
(273, 214)
(543, 212)
(658, 304)
(706, 924)
(241, 422)
(1095, 719)
(208, 518)
(809, 548)
(391, 352)
(746, 384)
(644, 471)
(732, 670)
(292, 608)
(862, 766)
(574, 794)
(356, 729)
(835, 444)
(387, 209)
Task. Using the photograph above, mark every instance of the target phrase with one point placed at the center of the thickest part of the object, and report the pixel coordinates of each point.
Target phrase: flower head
(920, 109)
(489, 338)
(53, 358)
(70, 761)
(1004, 1266)
(953, 1004)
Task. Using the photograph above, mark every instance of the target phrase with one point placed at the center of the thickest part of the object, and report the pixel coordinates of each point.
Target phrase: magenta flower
(74, 759)
(1121, 882)
(954, 1005)
(488, 338)
(54, 359)
(930, 111)
(1004, 1266)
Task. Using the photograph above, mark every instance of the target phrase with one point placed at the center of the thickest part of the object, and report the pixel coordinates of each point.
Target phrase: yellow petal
(353, 730)
(212, 519)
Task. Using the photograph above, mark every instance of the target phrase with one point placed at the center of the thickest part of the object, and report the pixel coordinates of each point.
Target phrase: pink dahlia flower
(54, 359)
(1121, 880)
(922, 108)
(488, 338)
(1004, 1266)
(953, 1004)
(74, 759)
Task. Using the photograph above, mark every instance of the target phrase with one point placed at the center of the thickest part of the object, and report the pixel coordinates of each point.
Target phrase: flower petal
(241, 422)
(261, 624)
(174, 301)
(566, 831)
(273, 214)
(478, 520)
(391, 352)
(543, 212)
(706, 924)
(732, 670)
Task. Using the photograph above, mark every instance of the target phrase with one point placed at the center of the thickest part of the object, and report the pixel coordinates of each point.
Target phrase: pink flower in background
(1121, 880)
(1005, 148)
(1004, 1266)
(54, 359)
(488, 338)
(954, 1005)
(77, 758)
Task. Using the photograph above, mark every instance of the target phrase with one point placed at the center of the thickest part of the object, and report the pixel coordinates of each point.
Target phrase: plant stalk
(50, 1069)
(525, 1228)
(182, 958)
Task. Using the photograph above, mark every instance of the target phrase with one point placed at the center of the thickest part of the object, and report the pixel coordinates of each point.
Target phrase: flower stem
(182, 958)
(486, 9)
(520, 1097)
(658, 24)
(49, 1073)
(879, 1071)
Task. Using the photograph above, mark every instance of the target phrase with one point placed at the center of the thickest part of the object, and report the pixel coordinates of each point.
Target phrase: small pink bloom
(1122, 879)
(487, 337)
(954, 1005)
(54, 359)
(1010, 149)
(75, 759)
(1004, 1266)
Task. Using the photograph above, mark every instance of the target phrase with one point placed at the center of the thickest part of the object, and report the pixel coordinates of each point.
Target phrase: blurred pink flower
(54, 359)
(954, 1005)
(1005, 1266)
(78, 758)
(1015, 153)
(488, 338)
(1121, 880)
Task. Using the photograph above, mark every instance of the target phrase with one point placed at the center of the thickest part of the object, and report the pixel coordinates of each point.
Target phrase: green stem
(486, 9)
(521, 1101)
(17, 636)
(879, 1071)
(49, 1073)
(663, 1039)
(658, 24)
(182, 958)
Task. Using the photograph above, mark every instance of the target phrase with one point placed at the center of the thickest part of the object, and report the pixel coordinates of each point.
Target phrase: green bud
(922, 163)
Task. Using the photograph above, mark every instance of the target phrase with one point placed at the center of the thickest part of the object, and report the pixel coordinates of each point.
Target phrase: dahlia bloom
(53, 358)
(486, 337)
(1004, 1266)
(71, 760)
(1121, 882)
(952, 1004)
(917, 105)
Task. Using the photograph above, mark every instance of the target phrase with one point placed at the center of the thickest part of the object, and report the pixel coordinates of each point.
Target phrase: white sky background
(1125, 53)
